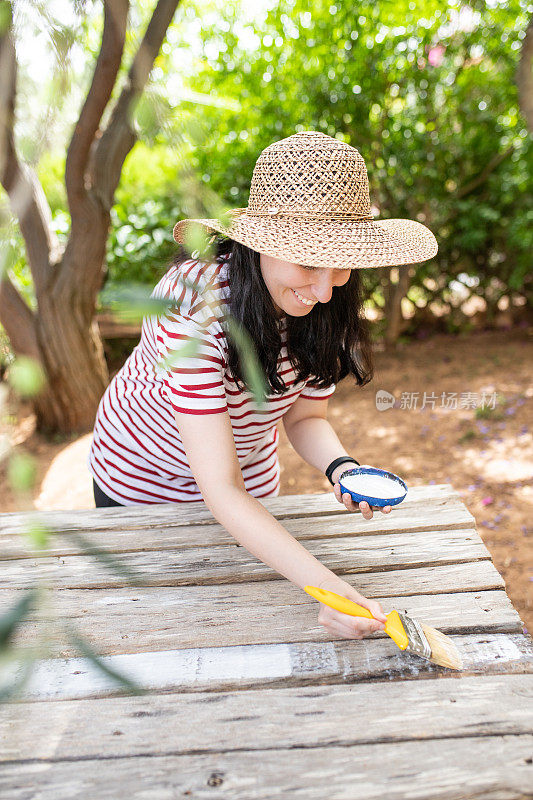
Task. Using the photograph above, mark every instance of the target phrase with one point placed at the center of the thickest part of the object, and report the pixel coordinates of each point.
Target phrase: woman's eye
(309, 268)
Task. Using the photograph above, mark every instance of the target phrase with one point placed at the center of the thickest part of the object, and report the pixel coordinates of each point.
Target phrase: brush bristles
(443, 650)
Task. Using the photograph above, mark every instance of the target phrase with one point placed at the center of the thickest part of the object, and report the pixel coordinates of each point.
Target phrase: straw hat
(309, 204)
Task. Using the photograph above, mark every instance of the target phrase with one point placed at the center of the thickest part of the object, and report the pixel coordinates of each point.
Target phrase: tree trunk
(73, 357)
(394, 293)
(61, 333)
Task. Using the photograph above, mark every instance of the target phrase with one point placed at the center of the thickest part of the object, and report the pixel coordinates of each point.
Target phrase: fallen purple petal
(486, 501)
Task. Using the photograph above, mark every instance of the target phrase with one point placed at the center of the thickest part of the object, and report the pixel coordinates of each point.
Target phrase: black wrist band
(338, 461)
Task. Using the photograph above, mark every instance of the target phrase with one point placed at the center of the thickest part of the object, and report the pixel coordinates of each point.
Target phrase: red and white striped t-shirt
(137, 455)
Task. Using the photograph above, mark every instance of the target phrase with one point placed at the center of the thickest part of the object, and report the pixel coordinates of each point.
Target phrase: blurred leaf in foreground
(197, 242)
(22, 472)
(174, 357)
(253, 373)
(109, 560)
(134, 301)
(13, 618)
(83, 646)
(26, 376)
(38, 534)
(6, 18)
(9, 689)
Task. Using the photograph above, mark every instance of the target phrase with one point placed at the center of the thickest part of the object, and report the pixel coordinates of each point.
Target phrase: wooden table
(250, 697)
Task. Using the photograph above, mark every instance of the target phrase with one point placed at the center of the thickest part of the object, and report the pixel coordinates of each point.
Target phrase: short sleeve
(312, 393)
(193, 380)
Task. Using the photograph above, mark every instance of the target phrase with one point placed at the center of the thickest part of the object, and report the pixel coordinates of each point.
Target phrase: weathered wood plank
(157, 619)
(245, 720)
(234, 564)
(164, 514)
(451, 515)
(466, 577)
(498, 767)
(217, 669)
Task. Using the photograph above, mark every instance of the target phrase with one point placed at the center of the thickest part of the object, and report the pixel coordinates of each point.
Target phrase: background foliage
(426, 92)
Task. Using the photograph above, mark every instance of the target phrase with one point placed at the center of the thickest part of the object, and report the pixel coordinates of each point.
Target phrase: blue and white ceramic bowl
(390, 487)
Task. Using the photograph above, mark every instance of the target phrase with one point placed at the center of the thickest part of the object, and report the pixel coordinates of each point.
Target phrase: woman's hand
(346, 499)
(345, 625)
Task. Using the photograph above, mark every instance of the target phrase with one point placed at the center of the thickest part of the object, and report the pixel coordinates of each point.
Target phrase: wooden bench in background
(111, 327)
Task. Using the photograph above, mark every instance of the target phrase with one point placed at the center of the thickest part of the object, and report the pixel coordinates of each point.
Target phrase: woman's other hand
(346, 499)
(345, 625)
(366, 510)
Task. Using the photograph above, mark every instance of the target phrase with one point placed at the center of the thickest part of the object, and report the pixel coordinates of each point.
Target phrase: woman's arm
(210, 448)
(311, 435)
(313, 438)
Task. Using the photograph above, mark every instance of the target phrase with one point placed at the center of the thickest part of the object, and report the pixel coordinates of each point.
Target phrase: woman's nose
(322, 286)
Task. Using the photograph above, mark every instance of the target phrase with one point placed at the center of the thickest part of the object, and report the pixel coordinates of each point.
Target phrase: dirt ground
(486, 454)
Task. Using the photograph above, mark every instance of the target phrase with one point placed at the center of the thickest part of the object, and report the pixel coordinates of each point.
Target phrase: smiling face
(295, 289)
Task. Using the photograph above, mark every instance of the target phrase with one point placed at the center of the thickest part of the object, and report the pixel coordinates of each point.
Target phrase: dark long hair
(327, 344)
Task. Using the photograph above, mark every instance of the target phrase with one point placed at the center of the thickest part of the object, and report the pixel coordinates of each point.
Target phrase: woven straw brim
(327, 243)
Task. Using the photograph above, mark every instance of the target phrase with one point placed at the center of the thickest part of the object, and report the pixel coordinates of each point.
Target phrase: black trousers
(101, 499)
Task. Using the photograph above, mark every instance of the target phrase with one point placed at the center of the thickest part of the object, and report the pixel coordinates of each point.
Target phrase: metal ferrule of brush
(417, 640)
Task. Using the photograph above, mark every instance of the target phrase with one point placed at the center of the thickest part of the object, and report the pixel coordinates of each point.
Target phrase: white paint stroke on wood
(160, 620)
(253, 720)
(233, 563)
(495, 767)
(451, 515)
(248, 666)
(162, 514)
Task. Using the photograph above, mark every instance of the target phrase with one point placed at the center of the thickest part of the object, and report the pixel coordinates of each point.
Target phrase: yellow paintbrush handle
(393, 627)
(338, 602)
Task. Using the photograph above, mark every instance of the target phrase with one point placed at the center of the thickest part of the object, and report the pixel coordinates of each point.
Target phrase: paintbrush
(407, 633)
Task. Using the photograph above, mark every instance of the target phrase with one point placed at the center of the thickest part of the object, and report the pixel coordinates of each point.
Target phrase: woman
(287, 270)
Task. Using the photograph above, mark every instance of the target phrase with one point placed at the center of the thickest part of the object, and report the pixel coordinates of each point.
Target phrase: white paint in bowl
(378, 486)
